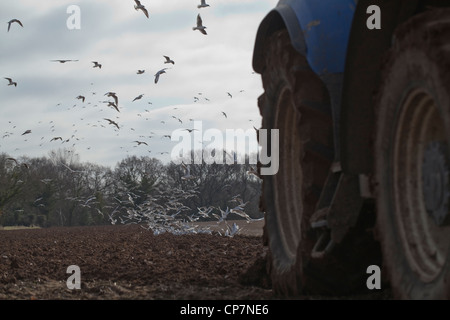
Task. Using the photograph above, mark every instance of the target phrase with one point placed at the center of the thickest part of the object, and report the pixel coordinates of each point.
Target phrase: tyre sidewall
(409, 69)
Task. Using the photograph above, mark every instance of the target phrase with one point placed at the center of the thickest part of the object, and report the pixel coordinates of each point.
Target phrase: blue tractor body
(326, 27)
(318, 29)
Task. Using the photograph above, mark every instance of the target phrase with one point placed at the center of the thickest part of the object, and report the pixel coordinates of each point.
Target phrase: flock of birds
(163, 212)
(114, 104)
(168, 223)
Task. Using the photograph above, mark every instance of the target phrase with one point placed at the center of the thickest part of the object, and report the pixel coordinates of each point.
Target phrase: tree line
(60, 190)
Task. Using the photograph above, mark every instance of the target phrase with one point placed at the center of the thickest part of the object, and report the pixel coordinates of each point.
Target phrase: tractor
(359, 92)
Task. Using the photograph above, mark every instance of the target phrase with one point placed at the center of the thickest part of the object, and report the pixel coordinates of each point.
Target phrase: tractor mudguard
(320, 35)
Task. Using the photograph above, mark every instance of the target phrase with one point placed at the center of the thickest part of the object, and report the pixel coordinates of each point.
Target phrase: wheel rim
(287, 181)
(418, 131)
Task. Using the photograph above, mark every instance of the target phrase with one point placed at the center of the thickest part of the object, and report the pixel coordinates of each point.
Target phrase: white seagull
(187, 172)
(168, 60)
(231, 231)
(254, 172)
(12, 21)
(112, 104)
(200, 27)
(159, 73)
(113, 95)
(112, 122)
(12, 159)
(141, 7)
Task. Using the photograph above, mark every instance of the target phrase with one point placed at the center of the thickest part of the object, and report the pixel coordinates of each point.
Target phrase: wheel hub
(421, 184)
(435, 173)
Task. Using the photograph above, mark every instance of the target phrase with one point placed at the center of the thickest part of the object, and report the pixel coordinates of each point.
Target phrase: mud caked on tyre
(412, 158)
(297, 103)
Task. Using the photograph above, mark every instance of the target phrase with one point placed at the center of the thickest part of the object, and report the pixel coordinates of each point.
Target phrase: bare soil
(129, 262)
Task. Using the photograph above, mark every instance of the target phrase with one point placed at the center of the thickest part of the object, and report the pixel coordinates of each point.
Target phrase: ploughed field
(129, 262)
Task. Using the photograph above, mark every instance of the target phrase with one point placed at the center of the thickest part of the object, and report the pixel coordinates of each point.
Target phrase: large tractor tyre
(412, 158)
(297, 103)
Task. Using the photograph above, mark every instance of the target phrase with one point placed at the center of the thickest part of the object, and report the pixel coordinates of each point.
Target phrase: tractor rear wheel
(412, 158)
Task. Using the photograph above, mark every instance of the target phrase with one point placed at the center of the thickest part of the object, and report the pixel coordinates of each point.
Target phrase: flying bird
(229, 94)
(26, 132)
(112, 104)
(140, 71)
(11, 83)
(187, 172)
(159, 73)
(190, 130)
(81, 98)
(56, 138)
(112, 122)
(96, 65)
(224, 114)
(113, 95)
(138, 97)
(254, 172)
(141, 142)
(12, 21)
(12, 159)
(168, 60)
(141, 7)
(63, 61)
(231, 231)
(17, 163)
(203, 4)
(200, 27)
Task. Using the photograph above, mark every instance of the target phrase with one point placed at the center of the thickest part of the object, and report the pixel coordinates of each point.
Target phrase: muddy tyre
(412, 158)
(296, 102)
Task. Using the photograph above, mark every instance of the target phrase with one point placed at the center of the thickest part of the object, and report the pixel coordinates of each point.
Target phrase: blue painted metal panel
(326, 28)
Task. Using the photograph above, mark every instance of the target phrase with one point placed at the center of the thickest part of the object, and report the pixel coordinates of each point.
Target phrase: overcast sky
(123, 40)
